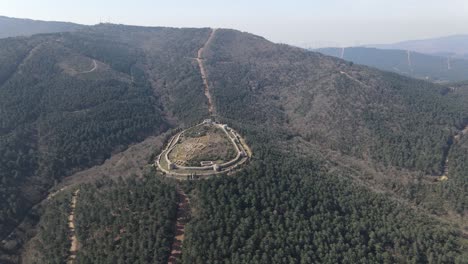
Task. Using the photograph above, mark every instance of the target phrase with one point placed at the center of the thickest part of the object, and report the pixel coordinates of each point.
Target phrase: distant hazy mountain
(414, 64)
(12, 27)
(455, 46)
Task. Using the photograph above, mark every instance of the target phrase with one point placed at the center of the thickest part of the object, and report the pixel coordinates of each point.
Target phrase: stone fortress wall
(177, 169)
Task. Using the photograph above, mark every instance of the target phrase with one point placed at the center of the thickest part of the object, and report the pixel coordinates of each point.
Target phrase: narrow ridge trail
(200, 60)
(71, 227)
(354, 79)
(183, 213)
(19, 66)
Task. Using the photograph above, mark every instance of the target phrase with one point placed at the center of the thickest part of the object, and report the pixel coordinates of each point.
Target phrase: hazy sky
(303, 22)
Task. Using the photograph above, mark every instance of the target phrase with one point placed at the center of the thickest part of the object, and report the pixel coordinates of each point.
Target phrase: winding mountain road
(95, 66)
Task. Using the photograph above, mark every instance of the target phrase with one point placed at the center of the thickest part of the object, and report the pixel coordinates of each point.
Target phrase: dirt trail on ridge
(203, 74)
(71, 227)
(183, 214)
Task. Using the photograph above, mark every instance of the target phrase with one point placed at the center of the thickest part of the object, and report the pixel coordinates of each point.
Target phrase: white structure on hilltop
(208, 122)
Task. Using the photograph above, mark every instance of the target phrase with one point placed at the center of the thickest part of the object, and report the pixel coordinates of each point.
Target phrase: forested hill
(12, 27)
(328, 139)
(409, 63)
(381, 121)
(70, 100)
(357, 110)
(345, 165)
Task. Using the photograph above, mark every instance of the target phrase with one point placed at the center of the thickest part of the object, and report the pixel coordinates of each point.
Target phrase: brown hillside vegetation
(345, 165)
(60, 114)
(345, 111)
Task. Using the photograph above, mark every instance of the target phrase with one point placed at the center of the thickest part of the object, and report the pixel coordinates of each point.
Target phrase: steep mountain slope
(149, 203)
(413, 64)
(12, 27)
(68, 101)
(454, 46)
(382, 121)
(344, 165)
(322, 129)
(331, 103)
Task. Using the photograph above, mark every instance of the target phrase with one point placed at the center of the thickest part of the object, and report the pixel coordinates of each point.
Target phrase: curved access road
(95, 66)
